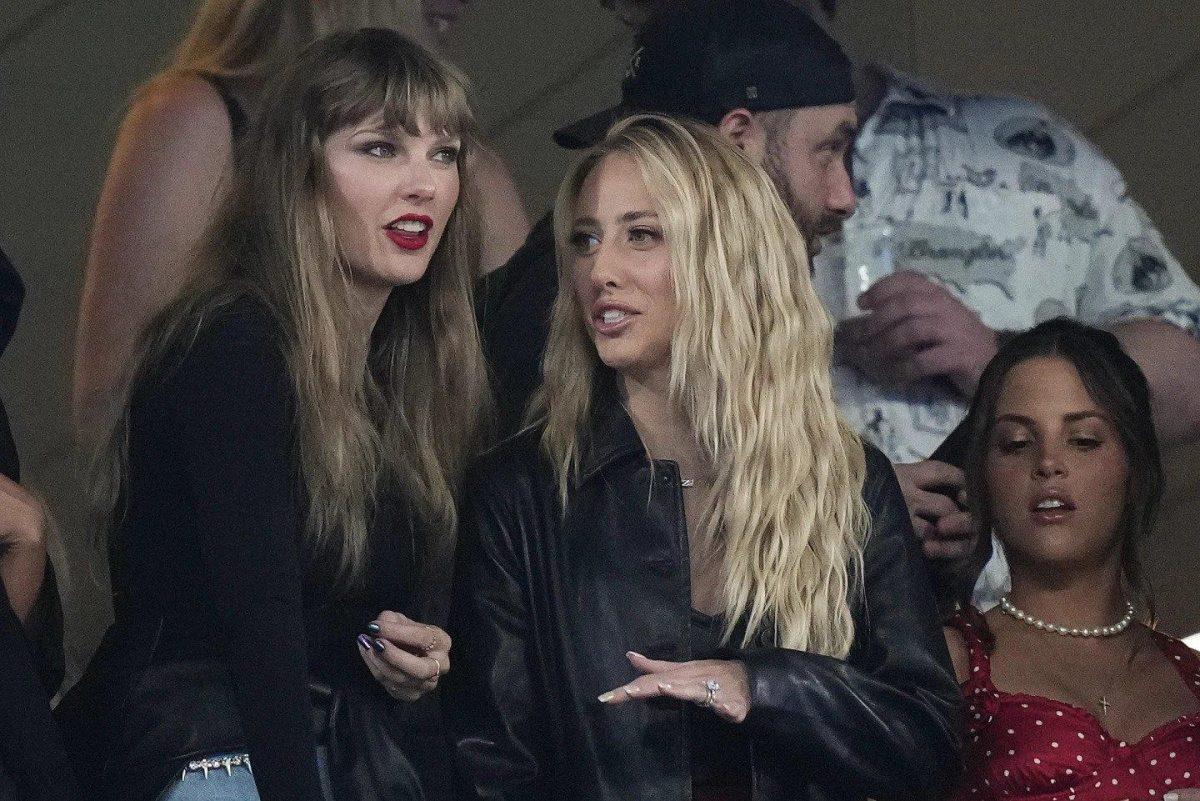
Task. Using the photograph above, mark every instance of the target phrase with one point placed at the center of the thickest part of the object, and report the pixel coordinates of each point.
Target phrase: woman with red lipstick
(178, 150)
(1071, 697)
(280, 489)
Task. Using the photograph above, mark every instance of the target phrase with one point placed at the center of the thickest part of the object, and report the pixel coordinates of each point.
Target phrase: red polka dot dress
(1029, 747)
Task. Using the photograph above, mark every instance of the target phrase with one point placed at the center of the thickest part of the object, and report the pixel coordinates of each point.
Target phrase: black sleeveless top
(239, 122)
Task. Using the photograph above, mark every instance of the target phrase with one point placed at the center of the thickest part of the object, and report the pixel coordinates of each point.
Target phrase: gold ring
(437, 667)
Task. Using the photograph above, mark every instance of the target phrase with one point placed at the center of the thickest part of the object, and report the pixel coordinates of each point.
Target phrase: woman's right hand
(405, 656)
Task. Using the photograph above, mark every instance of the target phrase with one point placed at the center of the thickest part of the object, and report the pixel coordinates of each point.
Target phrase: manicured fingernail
(604, 698)
(634, 653)
(378, 645)
(373, 628)
(364, 642)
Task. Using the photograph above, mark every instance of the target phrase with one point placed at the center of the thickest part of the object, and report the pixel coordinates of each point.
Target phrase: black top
(239, 122)
(32, 762)
(720, 750)
(513, 306)
(211, 547)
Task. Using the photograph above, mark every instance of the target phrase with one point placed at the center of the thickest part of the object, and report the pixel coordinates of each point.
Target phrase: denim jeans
(216, 784)
(235, 784)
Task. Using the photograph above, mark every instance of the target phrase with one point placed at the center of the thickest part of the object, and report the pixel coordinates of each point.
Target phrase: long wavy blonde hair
(255, 38)
(411, 413)
(750, 370)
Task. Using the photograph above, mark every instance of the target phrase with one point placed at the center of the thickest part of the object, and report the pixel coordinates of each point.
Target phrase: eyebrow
(1073, 417)
(627, 217)
(391, 132)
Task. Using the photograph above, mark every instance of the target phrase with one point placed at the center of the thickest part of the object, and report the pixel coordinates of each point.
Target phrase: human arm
(885, 721)
(164, 182)
(504, 222)
(493, 696)
(232, 397)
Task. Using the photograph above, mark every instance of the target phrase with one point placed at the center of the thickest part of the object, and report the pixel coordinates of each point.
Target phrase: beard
(813, 226)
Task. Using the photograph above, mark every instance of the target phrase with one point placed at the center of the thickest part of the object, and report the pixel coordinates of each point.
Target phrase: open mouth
(1051, 508)
(410, 232)
(611, 319)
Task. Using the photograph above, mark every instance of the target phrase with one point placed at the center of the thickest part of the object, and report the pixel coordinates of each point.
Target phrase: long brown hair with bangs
(412, 413)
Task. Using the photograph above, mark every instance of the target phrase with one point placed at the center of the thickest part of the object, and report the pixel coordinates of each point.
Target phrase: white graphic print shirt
(1014, 212)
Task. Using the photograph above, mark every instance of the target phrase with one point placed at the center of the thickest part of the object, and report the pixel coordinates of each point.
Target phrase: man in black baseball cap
(767, 77)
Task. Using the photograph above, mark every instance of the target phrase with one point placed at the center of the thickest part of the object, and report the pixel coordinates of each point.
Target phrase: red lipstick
(410, 231)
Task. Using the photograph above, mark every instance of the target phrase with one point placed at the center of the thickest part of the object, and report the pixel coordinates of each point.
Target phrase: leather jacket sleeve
(490, 699)
(884, 722)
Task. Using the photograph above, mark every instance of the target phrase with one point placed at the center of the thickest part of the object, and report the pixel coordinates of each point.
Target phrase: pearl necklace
(1006, 606)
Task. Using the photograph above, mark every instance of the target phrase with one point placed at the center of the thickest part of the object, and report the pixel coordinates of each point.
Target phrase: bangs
(388, 76)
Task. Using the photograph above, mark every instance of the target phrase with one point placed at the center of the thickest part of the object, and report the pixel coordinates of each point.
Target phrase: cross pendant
(1104, 705)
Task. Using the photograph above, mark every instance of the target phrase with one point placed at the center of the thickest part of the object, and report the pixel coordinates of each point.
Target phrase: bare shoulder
(180, 108)
(957, 645)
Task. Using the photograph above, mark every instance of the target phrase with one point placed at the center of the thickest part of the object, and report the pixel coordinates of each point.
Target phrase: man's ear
(743, 130)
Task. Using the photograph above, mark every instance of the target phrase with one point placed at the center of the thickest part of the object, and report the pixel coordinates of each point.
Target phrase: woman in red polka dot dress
(1070, 697)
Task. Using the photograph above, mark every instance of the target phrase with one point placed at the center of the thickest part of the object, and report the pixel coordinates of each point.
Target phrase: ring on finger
(437, 669)
(712, 687)
(432, 640)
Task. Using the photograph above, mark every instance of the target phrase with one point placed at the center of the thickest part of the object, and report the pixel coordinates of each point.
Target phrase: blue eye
(379, 149)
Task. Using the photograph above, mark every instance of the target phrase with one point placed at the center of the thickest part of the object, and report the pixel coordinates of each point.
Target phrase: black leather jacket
(546, 607)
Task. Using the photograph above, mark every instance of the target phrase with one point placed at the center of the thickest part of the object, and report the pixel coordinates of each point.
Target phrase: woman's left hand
(716, 684)
(406, 656)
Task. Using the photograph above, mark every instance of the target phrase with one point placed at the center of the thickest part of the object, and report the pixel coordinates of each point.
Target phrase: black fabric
(33, 764)
(513, 307)
(207, 564)
(720, 752)
(239, 123)
(704, 58)
(547, 604)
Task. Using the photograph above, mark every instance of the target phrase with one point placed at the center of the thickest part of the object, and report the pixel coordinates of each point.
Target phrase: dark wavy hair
(1116, 384)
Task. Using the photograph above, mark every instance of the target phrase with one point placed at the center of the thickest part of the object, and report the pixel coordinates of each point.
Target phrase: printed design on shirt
(881, 432)
(1140, 268)
(919, 159)
(933, 409)
(1036, 138)
(1183, 313)
(980, 179)
(1048, 309)
(955, 255)
(1077, 219)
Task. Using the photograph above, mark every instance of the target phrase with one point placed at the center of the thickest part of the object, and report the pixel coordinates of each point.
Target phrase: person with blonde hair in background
(280, 488)
(689, 578)
(178, 148)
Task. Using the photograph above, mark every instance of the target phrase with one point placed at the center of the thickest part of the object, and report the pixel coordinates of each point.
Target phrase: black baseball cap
(703, 58)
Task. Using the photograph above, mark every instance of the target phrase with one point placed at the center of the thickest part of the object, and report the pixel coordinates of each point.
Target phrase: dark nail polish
(373, 628)
(364, 642)
(378, 643)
